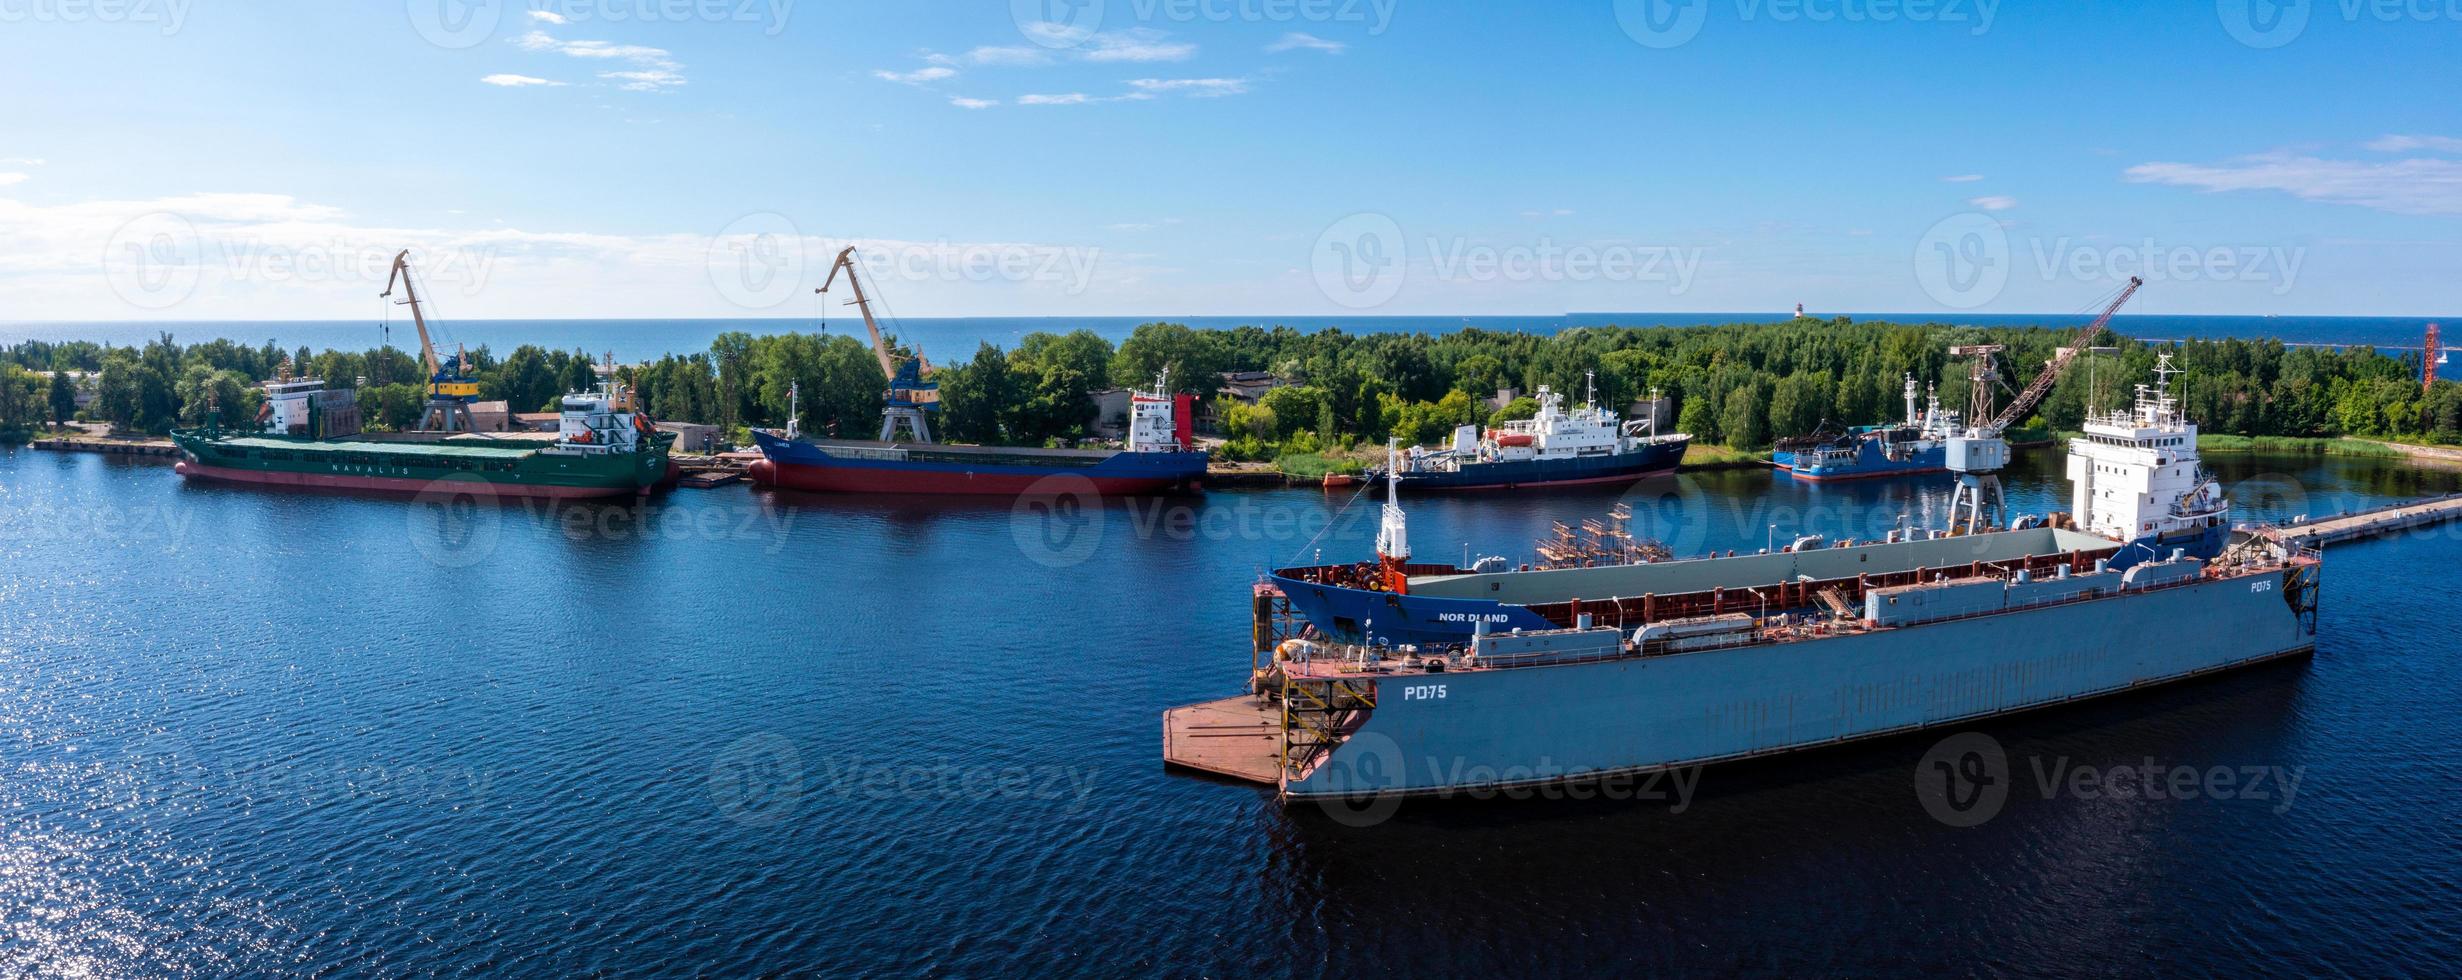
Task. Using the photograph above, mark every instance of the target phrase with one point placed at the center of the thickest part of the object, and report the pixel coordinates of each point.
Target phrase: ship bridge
(2135, 472)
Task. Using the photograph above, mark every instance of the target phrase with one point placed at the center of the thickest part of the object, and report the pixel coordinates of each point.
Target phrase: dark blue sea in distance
(732, 733)
(953, 338)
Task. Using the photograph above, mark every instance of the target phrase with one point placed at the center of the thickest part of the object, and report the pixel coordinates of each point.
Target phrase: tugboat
(1920, 445)
(1553, 448)
(1161, 454)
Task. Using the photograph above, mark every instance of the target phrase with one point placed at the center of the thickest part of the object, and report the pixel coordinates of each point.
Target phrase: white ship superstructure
(2135, 477)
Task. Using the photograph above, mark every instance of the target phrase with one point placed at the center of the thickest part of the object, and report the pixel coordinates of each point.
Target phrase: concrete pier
(2391, 519)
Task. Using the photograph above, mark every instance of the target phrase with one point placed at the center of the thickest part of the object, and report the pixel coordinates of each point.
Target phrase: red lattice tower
(2428, 357)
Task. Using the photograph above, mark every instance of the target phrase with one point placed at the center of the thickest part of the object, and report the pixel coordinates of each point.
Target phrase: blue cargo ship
(1555, 447)
(1410, 679)
(1914, 447)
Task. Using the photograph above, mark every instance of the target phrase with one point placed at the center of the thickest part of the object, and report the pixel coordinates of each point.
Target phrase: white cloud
(1993, 202)
(1297, 41)
(966, 103)
(516, 81)
(22, 161)
(13, 178)
(654, 68)
(1013, 56)
(1135, 44)
(645, 80)
(916, 77)
(1070, 98)
(549, 17)
(275, 256)
(1961, 178)
(1130, 226)
(2413, 186)
(1196, 87)
(2406, 144)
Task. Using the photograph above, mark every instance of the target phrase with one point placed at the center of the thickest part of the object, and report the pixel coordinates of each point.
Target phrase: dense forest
(1738, 385)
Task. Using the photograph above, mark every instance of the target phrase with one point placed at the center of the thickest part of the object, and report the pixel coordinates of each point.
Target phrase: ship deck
(464, 450)
(1238, 737)
(1335, 661)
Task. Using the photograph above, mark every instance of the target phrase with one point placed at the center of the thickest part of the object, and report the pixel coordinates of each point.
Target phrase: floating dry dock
(1395, 678)
(1840, 663)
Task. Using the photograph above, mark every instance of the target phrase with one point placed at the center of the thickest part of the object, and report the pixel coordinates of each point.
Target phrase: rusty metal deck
(1233, 737)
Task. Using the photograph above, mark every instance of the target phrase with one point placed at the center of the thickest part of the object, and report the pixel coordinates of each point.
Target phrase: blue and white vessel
(1914, 447)
(1555, 447)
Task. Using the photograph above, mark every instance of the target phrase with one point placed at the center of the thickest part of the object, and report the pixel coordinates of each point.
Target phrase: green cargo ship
(600, 449)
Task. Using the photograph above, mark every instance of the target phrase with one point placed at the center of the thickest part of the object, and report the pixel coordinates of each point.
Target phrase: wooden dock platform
(2379, 521)
(1232, 737)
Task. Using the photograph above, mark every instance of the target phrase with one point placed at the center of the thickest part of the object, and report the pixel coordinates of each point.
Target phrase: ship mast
(1393, 542)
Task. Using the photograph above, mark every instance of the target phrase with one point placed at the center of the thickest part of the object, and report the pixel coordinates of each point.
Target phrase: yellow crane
(439, 383)
(909, 397)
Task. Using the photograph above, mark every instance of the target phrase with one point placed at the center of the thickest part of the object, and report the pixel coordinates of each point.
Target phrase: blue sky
(171, 159)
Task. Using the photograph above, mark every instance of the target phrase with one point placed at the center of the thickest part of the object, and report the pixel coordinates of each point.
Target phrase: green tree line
(1741, 385)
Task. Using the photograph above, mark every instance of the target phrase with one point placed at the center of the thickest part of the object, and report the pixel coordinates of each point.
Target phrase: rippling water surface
(245, 732)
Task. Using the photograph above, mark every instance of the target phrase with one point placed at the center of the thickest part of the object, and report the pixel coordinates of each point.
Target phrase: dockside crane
(1978, 454)
(449, 393)
(910, 399)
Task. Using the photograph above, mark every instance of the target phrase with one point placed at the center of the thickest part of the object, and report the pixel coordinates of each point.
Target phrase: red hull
(820, 479)
(391, 484)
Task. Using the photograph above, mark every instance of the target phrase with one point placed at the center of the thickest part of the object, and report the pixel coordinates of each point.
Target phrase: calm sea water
(947, 338)
(732, 732)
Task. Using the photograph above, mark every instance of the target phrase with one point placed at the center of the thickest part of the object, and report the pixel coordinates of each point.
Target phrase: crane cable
(1364, 487)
